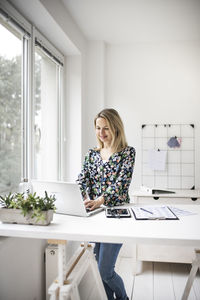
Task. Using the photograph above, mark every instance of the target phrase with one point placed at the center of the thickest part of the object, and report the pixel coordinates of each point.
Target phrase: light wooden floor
(157, 281)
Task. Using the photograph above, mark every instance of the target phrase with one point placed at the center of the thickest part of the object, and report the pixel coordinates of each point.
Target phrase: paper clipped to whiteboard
(157, 160)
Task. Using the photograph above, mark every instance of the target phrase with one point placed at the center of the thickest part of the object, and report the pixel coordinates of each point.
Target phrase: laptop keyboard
(88, 210)
(96, 209)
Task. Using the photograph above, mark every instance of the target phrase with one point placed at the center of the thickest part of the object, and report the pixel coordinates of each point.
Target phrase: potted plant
(28, 208)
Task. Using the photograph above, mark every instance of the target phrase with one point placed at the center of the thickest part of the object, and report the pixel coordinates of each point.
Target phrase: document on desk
(182, 212)
(153, 213)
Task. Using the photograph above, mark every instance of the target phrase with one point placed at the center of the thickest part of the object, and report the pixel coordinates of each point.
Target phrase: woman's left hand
(92, 204)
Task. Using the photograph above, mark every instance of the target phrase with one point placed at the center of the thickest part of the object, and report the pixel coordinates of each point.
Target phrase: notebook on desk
(68, 197)
(153, 213)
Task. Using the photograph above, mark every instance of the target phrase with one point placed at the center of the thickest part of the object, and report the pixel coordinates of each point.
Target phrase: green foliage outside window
(11, 120)
(10, 123)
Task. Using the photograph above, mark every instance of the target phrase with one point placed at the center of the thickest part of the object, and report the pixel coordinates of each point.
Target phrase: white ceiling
(130, 21)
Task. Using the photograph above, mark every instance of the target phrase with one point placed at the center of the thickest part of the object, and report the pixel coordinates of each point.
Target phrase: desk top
(98, 228)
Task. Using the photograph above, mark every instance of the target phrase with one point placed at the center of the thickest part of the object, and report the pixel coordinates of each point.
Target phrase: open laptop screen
(67, 194)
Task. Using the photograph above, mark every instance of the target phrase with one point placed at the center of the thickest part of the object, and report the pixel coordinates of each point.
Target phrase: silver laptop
(68, 197)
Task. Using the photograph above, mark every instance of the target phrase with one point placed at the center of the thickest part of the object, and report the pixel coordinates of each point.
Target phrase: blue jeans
(106, 256)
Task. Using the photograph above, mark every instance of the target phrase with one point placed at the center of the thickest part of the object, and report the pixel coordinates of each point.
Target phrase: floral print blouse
(110, 179)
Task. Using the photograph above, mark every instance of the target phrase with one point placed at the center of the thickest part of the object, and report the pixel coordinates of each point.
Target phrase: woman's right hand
(92, 204)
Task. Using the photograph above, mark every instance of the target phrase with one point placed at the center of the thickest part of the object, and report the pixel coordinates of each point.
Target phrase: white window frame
(58, 58)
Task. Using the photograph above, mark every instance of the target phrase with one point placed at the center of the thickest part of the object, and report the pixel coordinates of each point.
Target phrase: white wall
(22, 275)
(63, 19)
(154, 83)
(73, 118)
(94, 91)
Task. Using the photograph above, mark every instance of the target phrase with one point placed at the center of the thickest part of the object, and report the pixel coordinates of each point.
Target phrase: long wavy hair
(116, 127)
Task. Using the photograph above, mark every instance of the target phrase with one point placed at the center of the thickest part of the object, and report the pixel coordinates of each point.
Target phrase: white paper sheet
(181, 212)
(157, 159)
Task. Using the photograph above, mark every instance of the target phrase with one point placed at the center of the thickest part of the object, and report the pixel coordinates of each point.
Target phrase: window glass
(10, 108)
(46, 141)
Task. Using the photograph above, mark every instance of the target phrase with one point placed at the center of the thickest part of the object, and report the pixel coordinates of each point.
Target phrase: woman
(105, 179)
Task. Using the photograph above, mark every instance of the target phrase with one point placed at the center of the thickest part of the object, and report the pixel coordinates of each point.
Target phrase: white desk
(98, 228)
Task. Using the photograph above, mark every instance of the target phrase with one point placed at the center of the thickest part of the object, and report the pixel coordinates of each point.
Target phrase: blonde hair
(117, 129)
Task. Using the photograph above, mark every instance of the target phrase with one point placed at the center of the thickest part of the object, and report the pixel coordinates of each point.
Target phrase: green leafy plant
(29, 203)
(7, 200)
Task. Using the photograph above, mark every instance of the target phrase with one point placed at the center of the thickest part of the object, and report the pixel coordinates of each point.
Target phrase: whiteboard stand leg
(193, 271)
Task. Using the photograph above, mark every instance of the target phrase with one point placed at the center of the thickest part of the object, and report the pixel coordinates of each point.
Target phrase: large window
(46, 124)
(30, 103)
(10, 107)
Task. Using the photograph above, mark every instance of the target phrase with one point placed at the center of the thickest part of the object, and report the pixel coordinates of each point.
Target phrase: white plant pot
(11, 215)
